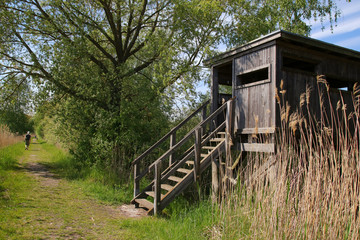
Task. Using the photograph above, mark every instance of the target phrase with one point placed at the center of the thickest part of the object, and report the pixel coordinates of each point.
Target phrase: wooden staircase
(169, 180)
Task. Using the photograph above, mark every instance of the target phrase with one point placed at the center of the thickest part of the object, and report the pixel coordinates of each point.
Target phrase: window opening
(299, 64)
(335, 83)
(254, 77)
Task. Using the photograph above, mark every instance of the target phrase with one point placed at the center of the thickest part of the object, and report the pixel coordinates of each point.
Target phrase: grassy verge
(7, 138)
(92, 181)
(180, 220)
(194, 222)
(76, 205)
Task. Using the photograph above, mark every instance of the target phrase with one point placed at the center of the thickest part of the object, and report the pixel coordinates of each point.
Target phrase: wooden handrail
(170, 133)
(188, 135)
(198, 145)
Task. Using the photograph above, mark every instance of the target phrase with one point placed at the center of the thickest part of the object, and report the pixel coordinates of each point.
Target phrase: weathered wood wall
(295, 82)
(256, 100)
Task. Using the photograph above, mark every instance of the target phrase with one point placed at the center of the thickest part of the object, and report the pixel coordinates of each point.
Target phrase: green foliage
(194, 222)
(8, 156)
(18, 122)
(107, 72)
(15, 97)
(253, 18)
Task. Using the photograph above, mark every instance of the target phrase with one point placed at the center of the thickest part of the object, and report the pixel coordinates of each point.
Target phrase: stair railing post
(172, 143)
(157, 185)
(197, 152)
(228, 138)
(203, 117)
(136, 181)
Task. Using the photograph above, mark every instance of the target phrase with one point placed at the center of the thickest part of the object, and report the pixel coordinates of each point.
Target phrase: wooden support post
(157, 185)
(228, 139)
(215, 181)
(172, 143)
(197, 152)
(136, 181)
(203, 117)
(214, 93)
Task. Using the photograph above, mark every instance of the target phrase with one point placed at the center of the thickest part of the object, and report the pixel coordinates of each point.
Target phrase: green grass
(78, 204)
(191, 223)
(9, 155)
(92, 181)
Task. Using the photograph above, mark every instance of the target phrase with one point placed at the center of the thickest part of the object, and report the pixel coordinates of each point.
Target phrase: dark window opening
(298, 64)
(335, 83)
(253, 77)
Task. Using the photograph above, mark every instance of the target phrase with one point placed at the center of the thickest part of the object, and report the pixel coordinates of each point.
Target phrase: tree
(15, 97)
(253, 18)
(105, 65)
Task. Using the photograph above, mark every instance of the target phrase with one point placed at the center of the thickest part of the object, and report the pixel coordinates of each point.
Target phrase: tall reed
(312, 190)
(8, 138)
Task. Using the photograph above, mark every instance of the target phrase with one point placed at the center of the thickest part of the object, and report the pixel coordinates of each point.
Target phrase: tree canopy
(102, 68)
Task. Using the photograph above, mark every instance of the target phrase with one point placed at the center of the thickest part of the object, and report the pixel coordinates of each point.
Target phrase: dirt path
(52, 208)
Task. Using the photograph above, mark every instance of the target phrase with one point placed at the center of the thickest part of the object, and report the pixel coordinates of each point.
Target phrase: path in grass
(40, 205)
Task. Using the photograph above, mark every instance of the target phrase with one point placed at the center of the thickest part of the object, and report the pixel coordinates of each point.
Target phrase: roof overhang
(282, 35)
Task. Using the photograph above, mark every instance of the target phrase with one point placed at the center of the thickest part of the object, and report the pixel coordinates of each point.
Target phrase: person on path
(27, 140)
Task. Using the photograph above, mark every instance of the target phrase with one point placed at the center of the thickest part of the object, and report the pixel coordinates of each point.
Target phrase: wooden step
(184, 170)
(221, 133)
(216, 139)
(175, 179)
(208, 147)
(257, 147)
(144, 203)
(167, 187)
(152, 194)
(204, 155)
(190, 163)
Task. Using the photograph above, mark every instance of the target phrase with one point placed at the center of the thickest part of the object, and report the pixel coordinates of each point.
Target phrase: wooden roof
(282, 35)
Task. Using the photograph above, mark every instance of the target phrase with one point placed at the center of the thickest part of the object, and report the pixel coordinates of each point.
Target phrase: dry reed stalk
(316, 194)
(7, 138)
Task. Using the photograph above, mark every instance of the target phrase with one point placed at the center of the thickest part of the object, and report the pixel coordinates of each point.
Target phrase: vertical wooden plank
(228, 139)
(136, 182)
(157, 184)
(214, 92)
(197, 151)
(214, 181)
(203, 117)
(172, 143)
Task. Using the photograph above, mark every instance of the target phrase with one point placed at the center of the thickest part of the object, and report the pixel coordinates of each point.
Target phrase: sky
(346, 33)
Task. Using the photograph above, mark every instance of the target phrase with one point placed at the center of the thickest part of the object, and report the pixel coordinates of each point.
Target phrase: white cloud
(348, 21)
(348, 9)
(349, 25)
(350, 42)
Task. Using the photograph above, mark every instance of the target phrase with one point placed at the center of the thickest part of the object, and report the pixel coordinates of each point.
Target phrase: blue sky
(346, 33)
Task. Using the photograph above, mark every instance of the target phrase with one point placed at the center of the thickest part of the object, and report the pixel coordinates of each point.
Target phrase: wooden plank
(216, 139)
(152, 194)
(136, 181)
(167, 187)
(208, 147)
(157, 186)
(197, 153)
(256, 130)
(180, 186)
(144, 203)
(184, 170)
(172, 143)
(257, 147)
(190, 163)
(175, 179)
(204, 155)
